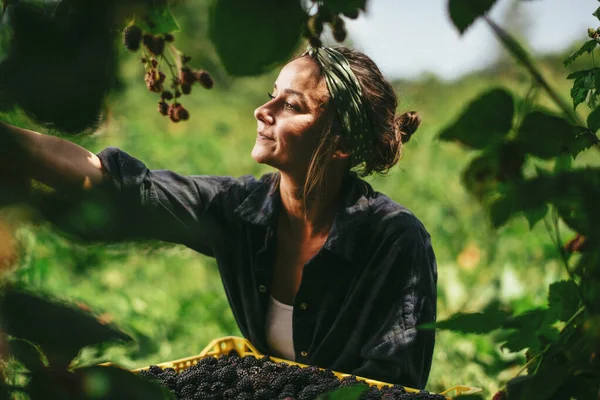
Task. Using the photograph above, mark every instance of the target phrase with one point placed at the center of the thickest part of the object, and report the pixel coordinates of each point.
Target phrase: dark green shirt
(360, 297)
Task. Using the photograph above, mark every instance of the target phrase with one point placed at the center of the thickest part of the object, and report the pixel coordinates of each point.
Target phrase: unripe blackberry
(591, 32)
(169, 38)
(166, 95)
(187, 76)
(315, 26)
(186, 88)
(177, 94)
(204, 79)
(155, 45)
(132, 35)
(351, 14)
(161, 77)
(154, 63)
(163, 108)
(338, 29)
(173, 113)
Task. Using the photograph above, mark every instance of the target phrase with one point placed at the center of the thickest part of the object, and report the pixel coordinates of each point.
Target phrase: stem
(541, 353)
(522, 56)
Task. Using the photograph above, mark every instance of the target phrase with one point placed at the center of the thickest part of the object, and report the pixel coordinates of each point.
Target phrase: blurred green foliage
(171, 300)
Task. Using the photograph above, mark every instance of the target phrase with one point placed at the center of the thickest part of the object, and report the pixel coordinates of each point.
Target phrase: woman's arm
(57, 163)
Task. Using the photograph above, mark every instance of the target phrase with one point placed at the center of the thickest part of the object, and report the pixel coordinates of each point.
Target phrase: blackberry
(154, 44)
(167, 95)
(187, 76)
(163, 108)
(315, 26)
(338, 29)
(169, 38)
(132, 37)
(186, 88)
(204, 78)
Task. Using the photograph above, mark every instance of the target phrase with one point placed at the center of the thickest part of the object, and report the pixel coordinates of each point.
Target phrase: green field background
(171, 298)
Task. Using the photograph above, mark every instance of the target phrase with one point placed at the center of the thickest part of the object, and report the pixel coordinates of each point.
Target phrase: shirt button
(303, 306)
(303, 353)
(262, 288)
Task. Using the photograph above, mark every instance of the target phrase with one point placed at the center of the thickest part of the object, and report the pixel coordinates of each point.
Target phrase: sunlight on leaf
(588, 47)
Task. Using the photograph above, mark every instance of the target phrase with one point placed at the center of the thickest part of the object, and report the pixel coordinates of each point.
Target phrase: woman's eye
(289, 106)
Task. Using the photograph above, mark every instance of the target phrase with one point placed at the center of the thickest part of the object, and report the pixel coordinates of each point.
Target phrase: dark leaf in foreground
(563, 299)
(546, 136)
(61, 330)
(485, 121)
(483, 322)
(252, 37)
(464, 12)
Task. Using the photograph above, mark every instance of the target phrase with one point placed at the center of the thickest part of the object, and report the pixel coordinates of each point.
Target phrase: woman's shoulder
(387, 215)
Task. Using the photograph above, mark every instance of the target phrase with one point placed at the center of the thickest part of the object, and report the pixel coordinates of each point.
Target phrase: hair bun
(407, 124)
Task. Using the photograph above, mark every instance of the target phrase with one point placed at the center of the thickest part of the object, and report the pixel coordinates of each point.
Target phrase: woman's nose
(263, 114)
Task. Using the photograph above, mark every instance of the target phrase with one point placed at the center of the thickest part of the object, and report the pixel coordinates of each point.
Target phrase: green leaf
(584, 85)
(536, 215)
(117, 383)
(464, 12)
(597, 13)
(353, 392)
(26, 353)
(563, 299)
(587, 47)
(546, 136)
(342, 6)
(573, 193)
(60, 330)
(251, 37)
(469, 397)
(158, 21)
(485, 121)
(593, 120)
(483, 322)
(532, 329)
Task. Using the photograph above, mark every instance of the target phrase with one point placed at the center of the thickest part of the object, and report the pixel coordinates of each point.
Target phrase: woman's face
(291, 122)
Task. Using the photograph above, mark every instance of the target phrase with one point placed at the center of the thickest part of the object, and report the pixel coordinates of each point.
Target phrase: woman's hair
(390, 131)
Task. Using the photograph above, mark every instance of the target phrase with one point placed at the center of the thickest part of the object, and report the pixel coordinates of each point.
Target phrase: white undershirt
(279, 330)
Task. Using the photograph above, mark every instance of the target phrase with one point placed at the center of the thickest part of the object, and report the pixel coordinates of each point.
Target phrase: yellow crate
(244, 348)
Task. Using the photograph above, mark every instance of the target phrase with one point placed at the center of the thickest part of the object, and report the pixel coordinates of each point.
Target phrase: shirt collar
(261, 204)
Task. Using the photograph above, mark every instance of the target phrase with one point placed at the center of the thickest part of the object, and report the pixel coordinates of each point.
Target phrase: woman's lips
(264, 137)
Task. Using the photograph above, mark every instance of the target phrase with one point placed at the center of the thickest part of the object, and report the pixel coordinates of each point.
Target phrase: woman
(317, 266)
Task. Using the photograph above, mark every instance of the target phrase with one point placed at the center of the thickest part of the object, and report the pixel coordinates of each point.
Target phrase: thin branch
(523, 57)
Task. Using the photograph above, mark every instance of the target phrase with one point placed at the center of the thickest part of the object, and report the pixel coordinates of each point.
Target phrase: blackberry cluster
(324, 15)
(182, 77)
(231, 377)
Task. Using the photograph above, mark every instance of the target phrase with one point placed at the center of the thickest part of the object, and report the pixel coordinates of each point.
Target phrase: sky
(408, 38)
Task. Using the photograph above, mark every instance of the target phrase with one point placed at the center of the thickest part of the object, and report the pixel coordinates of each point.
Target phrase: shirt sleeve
(396, 351)
(139, 204)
